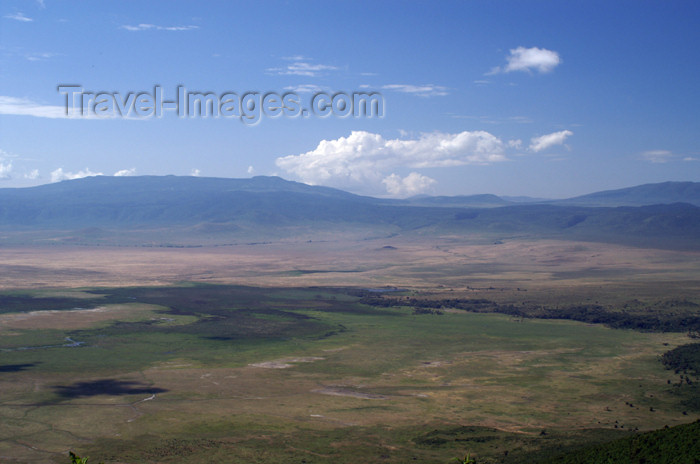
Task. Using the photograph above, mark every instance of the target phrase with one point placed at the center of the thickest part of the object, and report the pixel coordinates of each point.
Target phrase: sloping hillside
(195, 211)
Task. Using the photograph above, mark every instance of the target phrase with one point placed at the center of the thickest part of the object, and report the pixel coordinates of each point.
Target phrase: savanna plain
(391, 350)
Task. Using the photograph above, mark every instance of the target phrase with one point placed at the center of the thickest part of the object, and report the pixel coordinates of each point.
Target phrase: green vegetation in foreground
(259, 442)
(75, 459)
(384, 384)
(674, 445)
(219, 444)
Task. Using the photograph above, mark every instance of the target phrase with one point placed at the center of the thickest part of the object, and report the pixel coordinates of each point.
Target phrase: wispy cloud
(296, 58)
(32, 175)
(4, 155)
(521, 119)
(543, 142)
(306, 88)
(195, 172)
(302, 67)
(529, 59)
(155, 27)
(59, 174)
(364, 161)
(19, 17)
(27, 55)
(493, 119)
(25, 107)
(39, 56)
(657, 156)
(425, 90)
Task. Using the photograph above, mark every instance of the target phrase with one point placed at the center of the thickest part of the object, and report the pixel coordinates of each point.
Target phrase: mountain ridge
(639, 195)
(197, 210)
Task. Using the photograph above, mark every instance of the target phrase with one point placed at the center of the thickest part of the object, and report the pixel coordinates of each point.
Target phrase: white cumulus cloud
(412, 184)
(549, 140)
(529, 59)
(517, 144)
(59, 174)
(363, 160)
(34, 174)
(125, 172)
(5, 170)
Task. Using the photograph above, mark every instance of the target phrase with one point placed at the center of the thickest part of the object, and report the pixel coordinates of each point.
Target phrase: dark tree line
(653, 321)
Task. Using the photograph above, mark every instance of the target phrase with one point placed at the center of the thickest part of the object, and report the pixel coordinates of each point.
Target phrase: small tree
(75, 459)
(466, 460)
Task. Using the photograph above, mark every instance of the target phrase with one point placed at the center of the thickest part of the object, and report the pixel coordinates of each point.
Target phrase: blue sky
(540, 98)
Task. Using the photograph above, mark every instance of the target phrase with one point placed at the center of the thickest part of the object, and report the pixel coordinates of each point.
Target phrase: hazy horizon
(512, 197)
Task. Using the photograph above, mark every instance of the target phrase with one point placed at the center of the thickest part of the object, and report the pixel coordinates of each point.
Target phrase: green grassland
(221, 373)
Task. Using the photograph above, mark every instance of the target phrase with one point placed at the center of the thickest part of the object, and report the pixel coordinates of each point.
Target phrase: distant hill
(524, 199)
(642, 195)
(192, 211)
(648, 194)
(471, 201)
(167, 200)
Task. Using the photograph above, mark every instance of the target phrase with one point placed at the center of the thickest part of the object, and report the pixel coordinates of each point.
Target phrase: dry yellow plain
(447, 262)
